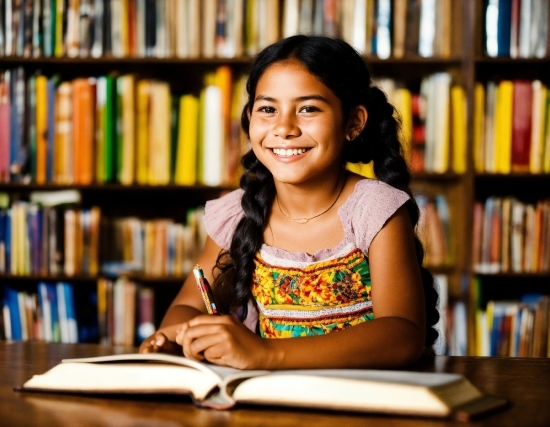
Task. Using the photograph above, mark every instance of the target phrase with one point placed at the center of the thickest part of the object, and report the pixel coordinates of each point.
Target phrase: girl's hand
(222, 340)
(159, 343)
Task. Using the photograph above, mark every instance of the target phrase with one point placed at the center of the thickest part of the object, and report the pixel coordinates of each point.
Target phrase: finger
(206, 319)
(212, 344)
(160, 339)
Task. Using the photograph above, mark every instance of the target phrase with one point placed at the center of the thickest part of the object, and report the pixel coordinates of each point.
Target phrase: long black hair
(337, 65)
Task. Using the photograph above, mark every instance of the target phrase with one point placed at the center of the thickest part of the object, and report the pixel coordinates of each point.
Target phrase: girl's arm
(187, 304)
(395, 338)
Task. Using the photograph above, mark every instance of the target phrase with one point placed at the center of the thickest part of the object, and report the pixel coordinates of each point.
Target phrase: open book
(396, 392)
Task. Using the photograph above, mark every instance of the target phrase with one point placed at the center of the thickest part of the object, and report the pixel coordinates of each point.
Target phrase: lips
(289, 152)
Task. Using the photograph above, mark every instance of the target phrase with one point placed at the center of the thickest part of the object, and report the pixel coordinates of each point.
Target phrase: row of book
(511, 236)
(517, 28)
(512, 127)
(119, 129)
(125, 312)
(434, 229)
(116, 312)
(433, 120)
(518, 328)
(60, 238)
(218, 28)
(49, 239)
(155, 248)
(48, 315)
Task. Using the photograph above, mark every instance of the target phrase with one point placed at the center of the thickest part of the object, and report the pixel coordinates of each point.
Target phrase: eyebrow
(299, 99)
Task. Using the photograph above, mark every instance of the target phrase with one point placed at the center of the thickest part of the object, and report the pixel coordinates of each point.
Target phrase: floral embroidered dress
(298, 294)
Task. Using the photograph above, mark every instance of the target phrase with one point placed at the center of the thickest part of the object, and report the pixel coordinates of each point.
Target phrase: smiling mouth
(282, 152)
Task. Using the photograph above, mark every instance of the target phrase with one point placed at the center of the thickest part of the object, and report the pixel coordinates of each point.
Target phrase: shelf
(485, 60)
(110, 187)
(429, 176)
(62, 278)
(515, 275)
(513, 175)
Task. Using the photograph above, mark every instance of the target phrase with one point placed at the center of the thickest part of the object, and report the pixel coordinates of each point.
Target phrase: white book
(491, 28)
(383, 29)
(46, 312)
(140, 28)
(427, 28)
(441, 285)
(291, 16)
(213, 146)
(359, 390)
(525, 23)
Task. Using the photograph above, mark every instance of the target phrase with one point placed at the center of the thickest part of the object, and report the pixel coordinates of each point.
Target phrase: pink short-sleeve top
(301, 294)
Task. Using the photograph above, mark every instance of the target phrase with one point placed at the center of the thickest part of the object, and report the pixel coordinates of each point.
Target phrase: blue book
(70, 310)
(504, 27)
(11, 300)
(46, 310)
(52, 299)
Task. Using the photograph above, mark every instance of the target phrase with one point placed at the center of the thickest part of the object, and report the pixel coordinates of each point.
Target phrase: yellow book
(546, 162)
(200, 138)
(59, 42)
(124, 29)
(458, 105)
(363, 169)
(537, 126)
(41, 128)
(503, 127)
(63, 125)
(159, 135)
(403, 105)
(479, 125)
(186, 161)
(142, 130)
(128, 85)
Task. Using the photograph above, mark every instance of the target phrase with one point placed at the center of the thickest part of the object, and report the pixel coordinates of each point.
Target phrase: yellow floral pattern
(317, 299)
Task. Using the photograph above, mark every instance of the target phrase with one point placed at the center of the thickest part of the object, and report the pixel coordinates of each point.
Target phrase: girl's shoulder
(222, 216)
(368, 209)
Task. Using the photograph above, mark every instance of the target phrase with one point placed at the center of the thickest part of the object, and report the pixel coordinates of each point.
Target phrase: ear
(356, 122)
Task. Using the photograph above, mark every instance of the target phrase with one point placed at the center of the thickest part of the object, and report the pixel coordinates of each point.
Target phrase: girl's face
(297, 127)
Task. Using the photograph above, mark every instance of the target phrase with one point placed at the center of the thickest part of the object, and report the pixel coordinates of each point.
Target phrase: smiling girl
(306, 250)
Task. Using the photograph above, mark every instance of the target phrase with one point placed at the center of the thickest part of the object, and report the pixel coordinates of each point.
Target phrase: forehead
(290, 77)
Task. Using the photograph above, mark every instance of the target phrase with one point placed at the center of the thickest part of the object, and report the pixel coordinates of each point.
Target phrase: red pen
(205, 290)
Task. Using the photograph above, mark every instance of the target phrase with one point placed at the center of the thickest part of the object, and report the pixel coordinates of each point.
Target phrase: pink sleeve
(222, 216)
(376, 203)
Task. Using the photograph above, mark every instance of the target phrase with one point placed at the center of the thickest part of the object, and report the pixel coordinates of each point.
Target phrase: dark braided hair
(337, 65)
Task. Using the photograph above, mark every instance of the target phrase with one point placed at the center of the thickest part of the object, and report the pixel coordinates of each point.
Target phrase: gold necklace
(304, 220)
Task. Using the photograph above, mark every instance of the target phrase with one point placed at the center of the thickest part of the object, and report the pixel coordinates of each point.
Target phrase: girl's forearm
(388, 342)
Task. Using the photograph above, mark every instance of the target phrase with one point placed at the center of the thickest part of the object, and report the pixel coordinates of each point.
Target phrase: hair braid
(236, 266)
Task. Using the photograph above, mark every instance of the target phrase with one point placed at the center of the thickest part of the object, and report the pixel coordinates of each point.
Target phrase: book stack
(512, 127)
(517, 328)
(49, 235)
(125, 311)
(511, 236)
(48, 314)
(155, 248)
(119, 129)
(218, 28)
(433, 121)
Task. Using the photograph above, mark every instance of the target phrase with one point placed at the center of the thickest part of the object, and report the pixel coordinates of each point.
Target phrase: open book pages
(363, 390)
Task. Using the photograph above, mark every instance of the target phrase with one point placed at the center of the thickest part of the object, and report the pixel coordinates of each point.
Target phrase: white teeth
(289, 152)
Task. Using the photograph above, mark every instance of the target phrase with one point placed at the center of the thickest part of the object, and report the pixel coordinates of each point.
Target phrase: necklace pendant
(301, 220)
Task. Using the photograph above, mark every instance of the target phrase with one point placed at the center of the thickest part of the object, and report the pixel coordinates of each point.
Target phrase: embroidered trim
(317, 314)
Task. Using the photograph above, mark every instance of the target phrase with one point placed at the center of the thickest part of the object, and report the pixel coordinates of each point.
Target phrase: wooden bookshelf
(466, 63)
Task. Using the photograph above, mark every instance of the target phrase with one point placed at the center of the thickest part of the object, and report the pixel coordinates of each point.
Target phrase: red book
(521, 125)
(4, 131)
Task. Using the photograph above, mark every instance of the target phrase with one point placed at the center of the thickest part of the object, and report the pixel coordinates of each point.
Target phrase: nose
(286, 126)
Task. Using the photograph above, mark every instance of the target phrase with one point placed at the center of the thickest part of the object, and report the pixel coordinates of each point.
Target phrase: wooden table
(525, 382)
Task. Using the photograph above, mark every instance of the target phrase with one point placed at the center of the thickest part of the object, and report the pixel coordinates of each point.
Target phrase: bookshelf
(458, 52)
